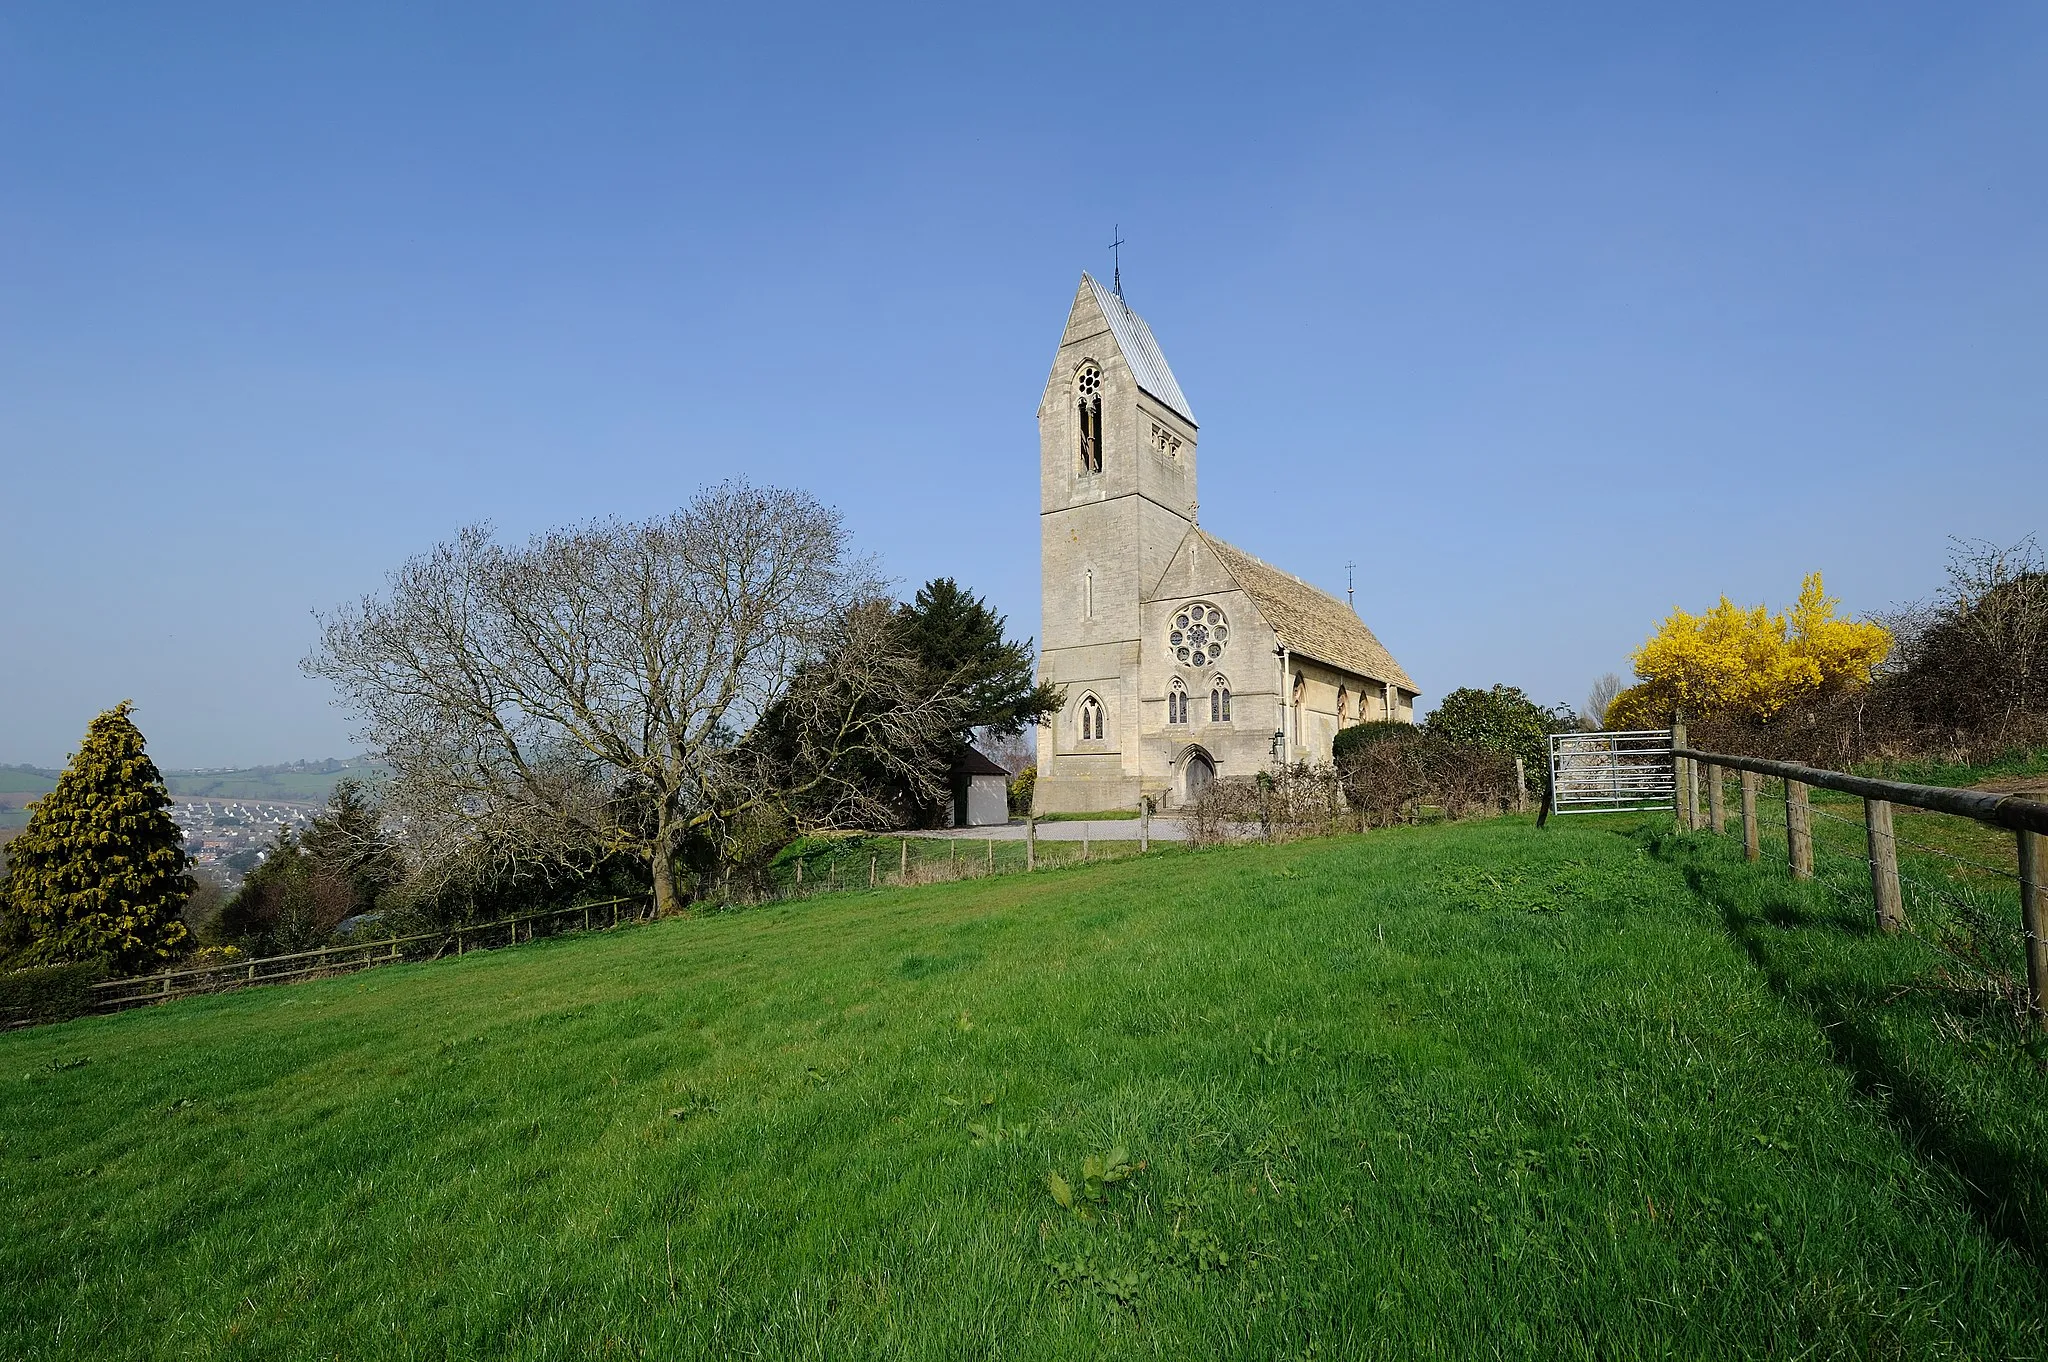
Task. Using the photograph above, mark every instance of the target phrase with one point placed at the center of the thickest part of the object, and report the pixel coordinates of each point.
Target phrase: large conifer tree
(100, 871)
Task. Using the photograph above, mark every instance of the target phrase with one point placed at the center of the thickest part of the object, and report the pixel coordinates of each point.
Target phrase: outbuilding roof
(1309, 621)
(1141, 351)
(972, 761)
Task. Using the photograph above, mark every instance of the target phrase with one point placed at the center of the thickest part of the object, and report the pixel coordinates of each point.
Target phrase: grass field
(260, 783)
(1101, 816)
(1465, 1091)
(845, 861)
(303, 783)
(21, 780)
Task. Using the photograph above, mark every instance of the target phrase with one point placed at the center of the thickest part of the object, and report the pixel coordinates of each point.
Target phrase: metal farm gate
(1612, 772)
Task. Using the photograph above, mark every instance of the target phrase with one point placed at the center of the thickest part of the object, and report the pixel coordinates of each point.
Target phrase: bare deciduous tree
(1594, 715)
(1998, 597)
(588, 693)
(1971, 667)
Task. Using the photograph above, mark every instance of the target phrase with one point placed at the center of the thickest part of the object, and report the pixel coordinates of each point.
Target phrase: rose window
(1198, 635)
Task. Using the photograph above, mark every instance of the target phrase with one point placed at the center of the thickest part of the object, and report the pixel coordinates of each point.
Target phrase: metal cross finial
(1350, 597)
(1116, 260)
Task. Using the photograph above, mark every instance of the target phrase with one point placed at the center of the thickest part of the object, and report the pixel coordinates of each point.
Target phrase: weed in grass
(694, 1104)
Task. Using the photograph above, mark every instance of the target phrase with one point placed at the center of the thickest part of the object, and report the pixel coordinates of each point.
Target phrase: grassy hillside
(1448, 1092)
(26, 780)
(309, 782)
(305, 781)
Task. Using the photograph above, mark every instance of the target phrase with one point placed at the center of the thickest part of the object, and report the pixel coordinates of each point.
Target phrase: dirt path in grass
(2033, 787)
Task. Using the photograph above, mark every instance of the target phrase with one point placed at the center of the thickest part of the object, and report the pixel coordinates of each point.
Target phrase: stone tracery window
(1177, 702)
(1165, 441)
(1219, 701)
(1091, 719)
(1198, 634)
(1088, 398)
(1343, 703)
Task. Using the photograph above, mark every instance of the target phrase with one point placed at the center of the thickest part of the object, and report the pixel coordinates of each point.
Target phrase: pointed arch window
(1343, 703)
(1177, 702)
(1092, 720)
(1088, 402)
(1219, 701)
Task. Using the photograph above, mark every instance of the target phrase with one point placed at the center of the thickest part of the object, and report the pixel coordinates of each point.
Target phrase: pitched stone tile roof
(1310, 622)
(1141, 351)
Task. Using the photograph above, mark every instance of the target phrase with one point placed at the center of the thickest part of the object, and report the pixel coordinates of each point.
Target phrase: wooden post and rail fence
(113, 995)
(2026, 819)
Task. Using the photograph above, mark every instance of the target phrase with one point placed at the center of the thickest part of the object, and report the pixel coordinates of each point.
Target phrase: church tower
(1116, 500)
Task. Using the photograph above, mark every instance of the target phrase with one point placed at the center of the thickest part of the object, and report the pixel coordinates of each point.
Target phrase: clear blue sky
(1550, 317)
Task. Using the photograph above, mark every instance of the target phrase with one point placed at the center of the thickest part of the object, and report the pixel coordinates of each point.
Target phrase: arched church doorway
(1196, 773)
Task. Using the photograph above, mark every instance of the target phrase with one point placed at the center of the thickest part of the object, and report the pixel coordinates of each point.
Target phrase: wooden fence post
(1717, 810)
(1031, 843)
(799, 874)
(991, 853)
(1680, 767)
(1798, 830)
(1084, 841)
(1144, 825)
(903, 861)
(873, 858)
(1751, 838)
(1521, 787)
(1884, 865)
(2034, 918)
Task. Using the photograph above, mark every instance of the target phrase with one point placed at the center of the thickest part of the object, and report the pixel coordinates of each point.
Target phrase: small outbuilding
(981, 791)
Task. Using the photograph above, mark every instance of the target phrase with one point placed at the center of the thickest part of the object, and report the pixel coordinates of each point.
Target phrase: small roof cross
(1116, 263)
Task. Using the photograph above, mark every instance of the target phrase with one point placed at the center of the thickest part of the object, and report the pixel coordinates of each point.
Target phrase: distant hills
(306, 782)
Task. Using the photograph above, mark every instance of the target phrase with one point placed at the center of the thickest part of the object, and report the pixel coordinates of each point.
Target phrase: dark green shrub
(48, 993)
(1503, 720)
(1358, 737)
(100, 872)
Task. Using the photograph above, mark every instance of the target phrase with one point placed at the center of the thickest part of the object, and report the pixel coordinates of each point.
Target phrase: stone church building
(1183, 659)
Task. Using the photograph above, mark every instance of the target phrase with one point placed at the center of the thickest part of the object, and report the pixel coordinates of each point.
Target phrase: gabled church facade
(1183, 659)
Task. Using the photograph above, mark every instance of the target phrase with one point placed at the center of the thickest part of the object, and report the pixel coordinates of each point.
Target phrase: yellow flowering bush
(1748, 664)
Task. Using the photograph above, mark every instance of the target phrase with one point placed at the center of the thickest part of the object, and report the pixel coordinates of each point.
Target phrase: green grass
(1100, 816)
(26, 780)
(261, 783)
(1468, 1091)
(303, 783)
(2021, 761)
(1944, 1058)
(839, 861)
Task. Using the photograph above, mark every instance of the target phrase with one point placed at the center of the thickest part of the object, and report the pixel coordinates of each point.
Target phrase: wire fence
(888, 860)
(114, 995)
(836, 866)
(1978, 901)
